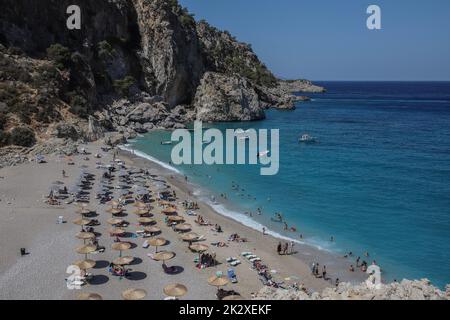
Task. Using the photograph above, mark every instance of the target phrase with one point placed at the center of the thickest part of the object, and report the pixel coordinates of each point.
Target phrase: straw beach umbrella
(218, 281)
(114, 221)
(86, 249)
(89, 296)
(123, 260)
(163, 256)
(140, 204)
(175, 219)
(141, 212)
(233, 297)
(183, 227)
(134, 294)
(85, 236)
(84, 211)
(81, 222)
(152, 229)
(114, 204)
(189, 237)
(121, 246)
(116, 231)
(115, 211)
(198, 247)
(145, 220)
(85, 264)
(169, 211)
(157, 242)
(175, 290)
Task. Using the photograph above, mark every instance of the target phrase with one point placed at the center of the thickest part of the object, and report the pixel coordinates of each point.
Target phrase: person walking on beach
(324, 272)
(279, 248)
(264, 231)
(286, 247)
(313, 267)
(316, 272)
(292, 247)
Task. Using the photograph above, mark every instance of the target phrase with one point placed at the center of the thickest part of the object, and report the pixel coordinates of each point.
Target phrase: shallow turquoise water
(377, 181)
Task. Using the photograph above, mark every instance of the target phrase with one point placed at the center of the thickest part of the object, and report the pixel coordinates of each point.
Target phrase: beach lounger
(235, 263)
(246, 253)
(232, 276)
(255, 259)
(145, 245)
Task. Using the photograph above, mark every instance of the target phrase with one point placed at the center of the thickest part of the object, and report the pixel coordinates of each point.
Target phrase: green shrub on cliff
(78, 105)
(4, 138)
(60, 54)
(123, 86)
(105, 50)
(22, 136)
(2, 121)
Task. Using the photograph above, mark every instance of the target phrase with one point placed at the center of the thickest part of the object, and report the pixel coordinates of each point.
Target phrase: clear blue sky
(329, 40)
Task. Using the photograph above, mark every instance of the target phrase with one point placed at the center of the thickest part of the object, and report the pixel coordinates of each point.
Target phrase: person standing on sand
(286, 247)
(279, 248)
(292, 247)
(324, 272)
(264, 231)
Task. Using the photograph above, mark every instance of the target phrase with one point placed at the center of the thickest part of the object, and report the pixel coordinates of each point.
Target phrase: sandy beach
(26, 221)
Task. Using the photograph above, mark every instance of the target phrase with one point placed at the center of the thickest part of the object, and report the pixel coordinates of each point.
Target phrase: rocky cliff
(134, 65)
(404, 290)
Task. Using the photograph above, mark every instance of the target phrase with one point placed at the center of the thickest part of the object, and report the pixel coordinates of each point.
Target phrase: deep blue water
(377, 181)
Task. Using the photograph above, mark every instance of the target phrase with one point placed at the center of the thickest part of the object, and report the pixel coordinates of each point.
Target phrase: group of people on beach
(285, 248)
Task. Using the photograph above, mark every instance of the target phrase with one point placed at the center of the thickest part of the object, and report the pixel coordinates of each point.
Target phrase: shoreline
(306, 254)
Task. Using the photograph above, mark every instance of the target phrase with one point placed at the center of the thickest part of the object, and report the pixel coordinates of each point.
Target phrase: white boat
(263, 153)
(306, 138)
(166, 142)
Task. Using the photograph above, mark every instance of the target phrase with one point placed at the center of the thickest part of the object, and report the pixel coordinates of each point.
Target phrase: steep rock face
(226, 98)
(224, 54)
(172, 61)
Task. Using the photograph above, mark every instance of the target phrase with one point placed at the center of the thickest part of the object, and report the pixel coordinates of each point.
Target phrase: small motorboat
(263, 153)
(306, 138)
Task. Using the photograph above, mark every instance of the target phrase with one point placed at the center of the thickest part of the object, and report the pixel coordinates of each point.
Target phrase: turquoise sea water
(377, 181)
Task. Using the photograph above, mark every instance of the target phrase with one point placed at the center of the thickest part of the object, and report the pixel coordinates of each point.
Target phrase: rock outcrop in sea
(135, 65)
